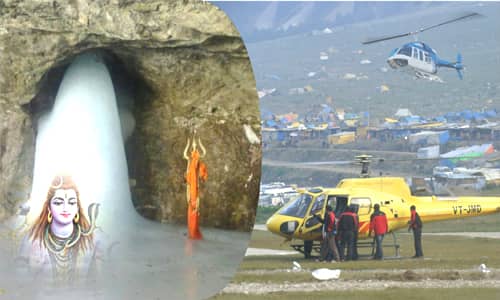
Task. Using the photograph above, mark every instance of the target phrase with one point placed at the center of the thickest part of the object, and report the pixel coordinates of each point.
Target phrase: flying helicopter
(297, 219)
(419, 56)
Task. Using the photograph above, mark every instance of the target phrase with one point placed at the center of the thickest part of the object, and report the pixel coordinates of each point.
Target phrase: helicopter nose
(272, 225)
(281, 226)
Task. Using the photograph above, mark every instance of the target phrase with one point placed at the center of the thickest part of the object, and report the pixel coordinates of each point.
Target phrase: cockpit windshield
(298, 207)
(405, 51)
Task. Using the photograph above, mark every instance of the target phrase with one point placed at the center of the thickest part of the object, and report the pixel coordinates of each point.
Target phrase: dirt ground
(339, 285)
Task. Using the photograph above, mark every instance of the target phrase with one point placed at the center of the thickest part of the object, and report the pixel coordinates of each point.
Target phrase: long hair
(39, 226)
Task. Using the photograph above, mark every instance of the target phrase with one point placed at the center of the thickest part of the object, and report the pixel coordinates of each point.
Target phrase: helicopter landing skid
(394, 245)
(308, 246)
(428, 76)
(371, 244)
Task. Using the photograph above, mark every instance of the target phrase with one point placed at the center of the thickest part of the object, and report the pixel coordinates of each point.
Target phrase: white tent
(403, 112)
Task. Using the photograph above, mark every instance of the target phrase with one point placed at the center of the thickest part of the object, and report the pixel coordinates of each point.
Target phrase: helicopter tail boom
(458, 66)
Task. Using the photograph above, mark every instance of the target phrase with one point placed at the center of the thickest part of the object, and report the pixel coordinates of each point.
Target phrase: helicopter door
(318, 208)
(341, 205)
(422, 61)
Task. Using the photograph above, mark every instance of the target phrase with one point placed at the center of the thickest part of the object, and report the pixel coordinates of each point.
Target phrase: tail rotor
(459, 66)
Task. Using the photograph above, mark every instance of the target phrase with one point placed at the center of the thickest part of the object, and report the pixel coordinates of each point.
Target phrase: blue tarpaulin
(266, 115)
(490, 113)
(478, 116)
(467, 115)
(452, 116)
(444, 137)
(411, 120)
(440, 119)
(282, 135)
(271, 123)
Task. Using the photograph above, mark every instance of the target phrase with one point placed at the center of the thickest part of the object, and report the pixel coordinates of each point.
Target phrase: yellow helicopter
(296, 219)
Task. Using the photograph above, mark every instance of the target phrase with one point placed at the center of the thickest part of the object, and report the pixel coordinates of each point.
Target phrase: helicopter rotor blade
(461, 18)
(390, 37)
(331, 162)
(385, 38)
(374, 160)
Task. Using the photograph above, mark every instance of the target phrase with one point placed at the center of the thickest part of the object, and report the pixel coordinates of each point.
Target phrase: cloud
(342, 9)
(305, 11)
(266, 19)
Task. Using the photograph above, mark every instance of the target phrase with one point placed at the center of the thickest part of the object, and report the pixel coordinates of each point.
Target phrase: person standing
(378, 225)
(416, 225)
(196, 171)
(355, 255)
(329, 247)
(346, 229)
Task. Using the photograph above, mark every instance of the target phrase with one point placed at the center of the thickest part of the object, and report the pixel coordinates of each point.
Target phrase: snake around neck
(57, 245)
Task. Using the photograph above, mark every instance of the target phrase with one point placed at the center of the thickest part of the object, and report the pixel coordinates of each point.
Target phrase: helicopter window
(427, 58)
(298, 207)
(405, 51)
(318, 205)
(421, 55)
(415, 53)
(364, 205)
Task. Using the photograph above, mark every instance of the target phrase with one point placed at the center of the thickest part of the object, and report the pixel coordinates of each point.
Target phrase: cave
(128, 87)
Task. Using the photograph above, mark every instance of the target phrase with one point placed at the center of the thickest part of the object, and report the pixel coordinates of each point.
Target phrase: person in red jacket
(378, 224)
(329, 249)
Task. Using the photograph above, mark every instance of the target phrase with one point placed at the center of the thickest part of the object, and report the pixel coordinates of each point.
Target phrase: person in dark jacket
(416, 225)
(378, 225)
(346, 229)
(329, 249)
(355, 255)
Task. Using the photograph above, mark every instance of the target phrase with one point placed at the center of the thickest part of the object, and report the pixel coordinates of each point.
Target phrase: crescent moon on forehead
(60, 183)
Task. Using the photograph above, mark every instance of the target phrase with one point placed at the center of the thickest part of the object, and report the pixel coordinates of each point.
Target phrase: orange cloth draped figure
(196, 171)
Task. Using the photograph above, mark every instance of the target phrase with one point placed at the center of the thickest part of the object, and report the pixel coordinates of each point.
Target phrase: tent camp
(403, 112)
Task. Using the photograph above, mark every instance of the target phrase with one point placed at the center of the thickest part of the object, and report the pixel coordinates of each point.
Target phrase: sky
(271, 19)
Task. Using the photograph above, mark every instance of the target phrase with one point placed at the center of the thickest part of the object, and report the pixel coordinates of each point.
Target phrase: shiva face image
(63, 233)
(64, 206)
(61, 212)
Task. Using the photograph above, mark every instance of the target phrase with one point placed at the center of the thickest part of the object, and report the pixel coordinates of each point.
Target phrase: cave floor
(152, 261)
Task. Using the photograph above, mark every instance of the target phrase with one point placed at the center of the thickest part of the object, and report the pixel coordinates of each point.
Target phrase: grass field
(441, 252)
(450, 269)
(490, 223)
(388, 294)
